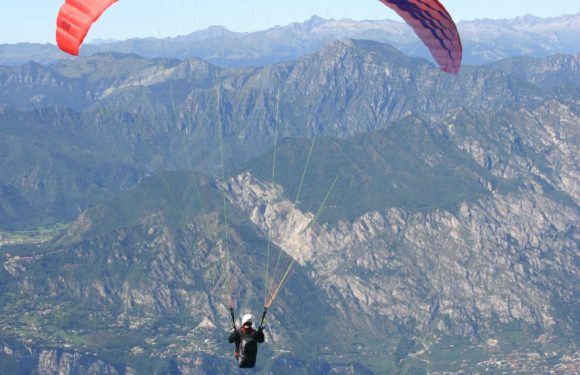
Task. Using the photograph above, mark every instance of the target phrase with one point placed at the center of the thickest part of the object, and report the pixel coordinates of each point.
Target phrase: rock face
(502, 254)
(54, 362)
(506, 258)
(58, 362)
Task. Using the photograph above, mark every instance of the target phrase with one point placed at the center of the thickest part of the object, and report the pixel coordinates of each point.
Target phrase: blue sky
(33, 20)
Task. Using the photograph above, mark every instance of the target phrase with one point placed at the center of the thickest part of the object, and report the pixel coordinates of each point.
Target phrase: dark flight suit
(246, 340)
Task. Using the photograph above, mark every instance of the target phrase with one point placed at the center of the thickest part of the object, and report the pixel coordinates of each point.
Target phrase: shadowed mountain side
(56, 163)
(413, 165)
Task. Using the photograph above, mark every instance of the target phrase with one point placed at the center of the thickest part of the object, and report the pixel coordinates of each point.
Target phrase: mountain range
(431, 219)
(484, 41)
(152, 114)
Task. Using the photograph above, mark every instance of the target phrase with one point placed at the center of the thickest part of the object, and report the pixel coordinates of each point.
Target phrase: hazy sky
(33, 20)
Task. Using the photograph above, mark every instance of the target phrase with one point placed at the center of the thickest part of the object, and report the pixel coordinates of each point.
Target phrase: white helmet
(247, 318)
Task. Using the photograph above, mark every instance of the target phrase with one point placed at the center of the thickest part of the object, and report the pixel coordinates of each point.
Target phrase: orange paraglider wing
(74, 20)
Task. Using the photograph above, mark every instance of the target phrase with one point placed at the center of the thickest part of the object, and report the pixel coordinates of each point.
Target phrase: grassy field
(38, 235)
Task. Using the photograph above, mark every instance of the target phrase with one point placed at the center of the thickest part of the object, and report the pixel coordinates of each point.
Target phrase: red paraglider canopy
(74, 21)
(435, 27)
